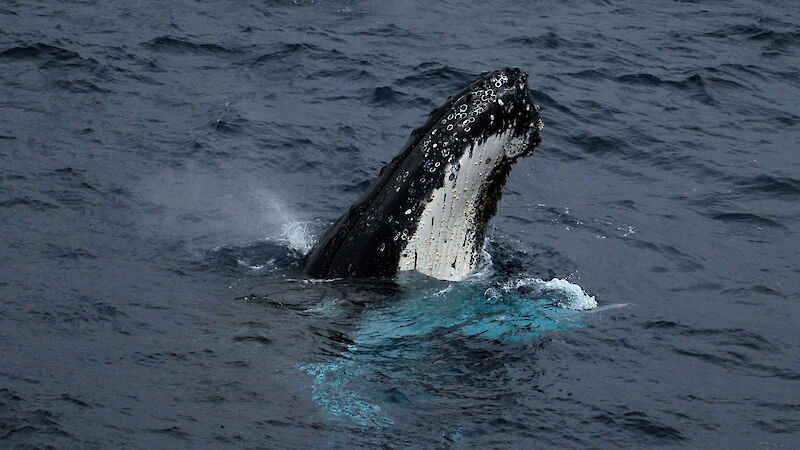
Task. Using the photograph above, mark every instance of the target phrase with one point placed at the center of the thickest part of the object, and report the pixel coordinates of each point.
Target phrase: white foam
(296, 236)
(256, 267)
(568, 295)
(294, 233)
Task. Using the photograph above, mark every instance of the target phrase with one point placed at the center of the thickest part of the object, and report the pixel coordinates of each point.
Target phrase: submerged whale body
(429, 207)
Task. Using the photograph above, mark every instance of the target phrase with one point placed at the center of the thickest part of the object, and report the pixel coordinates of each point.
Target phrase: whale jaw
(448, 241)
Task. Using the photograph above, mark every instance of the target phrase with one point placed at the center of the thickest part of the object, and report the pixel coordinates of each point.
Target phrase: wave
(181, 45)
(36, 51)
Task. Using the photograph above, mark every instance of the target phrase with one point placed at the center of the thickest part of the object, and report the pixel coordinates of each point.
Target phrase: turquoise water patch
(402, 335)
(330, 391)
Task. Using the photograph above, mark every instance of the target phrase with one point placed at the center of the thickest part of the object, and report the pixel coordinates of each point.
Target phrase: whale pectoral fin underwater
(429, 207)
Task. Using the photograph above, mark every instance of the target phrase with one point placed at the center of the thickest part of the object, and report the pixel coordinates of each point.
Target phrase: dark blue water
(165, 165)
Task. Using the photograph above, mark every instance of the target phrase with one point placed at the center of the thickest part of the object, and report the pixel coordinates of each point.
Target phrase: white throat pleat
(443, 245)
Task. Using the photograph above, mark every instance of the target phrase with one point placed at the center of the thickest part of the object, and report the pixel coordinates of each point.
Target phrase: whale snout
(521, 115)
(519, 78)
(536, 118)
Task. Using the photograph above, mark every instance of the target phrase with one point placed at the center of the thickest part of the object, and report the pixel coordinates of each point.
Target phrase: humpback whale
(429, 207)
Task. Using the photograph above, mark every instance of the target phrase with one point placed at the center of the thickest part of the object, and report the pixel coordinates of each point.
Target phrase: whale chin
(429, 208)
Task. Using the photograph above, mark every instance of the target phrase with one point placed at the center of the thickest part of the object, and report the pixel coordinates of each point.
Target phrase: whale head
(497, 104)
(429, 208)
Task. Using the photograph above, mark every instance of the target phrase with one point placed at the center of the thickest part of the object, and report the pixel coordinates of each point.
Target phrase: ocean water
(166, 165)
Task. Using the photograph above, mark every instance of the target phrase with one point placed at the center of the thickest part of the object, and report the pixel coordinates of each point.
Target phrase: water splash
(218, 211)
(567, 295)
(296, 235)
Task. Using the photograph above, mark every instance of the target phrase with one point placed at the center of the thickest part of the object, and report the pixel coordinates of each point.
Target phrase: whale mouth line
(429, 207)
